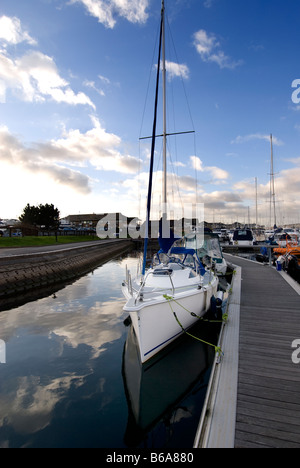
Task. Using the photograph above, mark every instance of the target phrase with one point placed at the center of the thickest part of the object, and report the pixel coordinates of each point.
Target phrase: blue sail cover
(166, 235)
(166, 243)
(192, 252)
(182, 251)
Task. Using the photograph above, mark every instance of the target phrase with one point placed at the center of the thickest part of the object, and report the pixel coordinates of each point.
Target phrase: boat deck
(262, 408)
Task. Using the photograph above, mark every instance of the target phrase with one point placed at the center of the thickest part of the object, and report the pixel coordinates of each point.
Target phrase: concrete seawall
(23, 276)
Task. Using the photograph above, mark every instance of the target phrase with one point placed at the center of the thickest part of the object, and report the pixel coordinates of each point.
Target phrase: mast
(161, 65)
(152, 151)
(164, 108)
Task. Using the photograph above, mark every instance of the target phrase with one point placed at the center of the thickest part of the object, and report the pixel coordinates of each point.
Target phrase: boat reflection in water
(167, 389)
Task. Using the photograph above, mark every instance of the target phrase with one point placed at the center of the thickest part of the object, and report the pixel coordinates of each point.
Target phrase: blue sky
(74, 77)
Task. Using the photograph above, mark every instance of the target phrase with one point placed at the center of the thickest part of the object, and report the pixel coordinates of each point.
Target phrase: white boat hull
(154, 321)
(244, 243)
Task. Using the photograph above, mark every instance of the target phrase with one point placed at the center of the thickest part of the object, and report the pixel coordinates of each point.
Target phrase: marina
(145, 333)
(75, 349)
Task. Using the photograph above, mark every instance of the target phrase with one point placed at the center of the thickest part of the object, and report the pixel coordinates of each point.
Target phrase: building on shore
(90, 221)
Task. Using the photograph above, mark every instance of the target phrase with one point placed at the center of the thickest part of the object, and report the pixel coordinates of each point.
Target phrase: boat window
(213, 248)
(189, 260)
(163, 258)
(176, 258)
(210, 246)
(193, 274)
(284, 237)
(194, 241)
(241, 234)
(162, 272)
(203, 244)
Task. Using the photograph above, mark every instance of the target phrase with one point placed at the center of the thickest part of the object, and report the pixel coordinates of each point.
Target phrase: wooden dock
(265, 411)
(268, 397)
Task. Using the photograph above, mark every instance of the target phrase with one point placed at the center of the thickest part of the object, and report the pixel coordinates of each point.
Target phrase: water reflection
(156, 390)
(62, 383)
(54, 346)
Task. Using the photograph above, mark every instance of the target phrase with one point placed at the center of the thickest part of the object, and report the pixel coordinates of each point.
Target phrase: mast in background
(272, 187)
(256, 204)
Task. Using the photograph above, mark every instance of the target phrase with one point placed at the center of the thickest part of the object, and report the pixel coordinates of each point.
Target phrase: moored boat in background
(243, 237)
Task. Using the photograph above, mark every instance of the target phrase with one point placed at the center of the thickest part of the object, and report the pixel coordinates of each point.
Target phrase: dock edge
(218, 419)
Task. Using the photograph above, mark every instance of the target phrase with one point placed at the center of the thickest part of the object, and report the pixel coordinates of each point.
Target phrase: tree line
(46, 216)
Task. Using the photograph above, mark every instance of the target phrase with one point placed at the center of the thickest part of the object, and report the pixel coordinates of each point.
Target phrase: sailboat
(168, 298)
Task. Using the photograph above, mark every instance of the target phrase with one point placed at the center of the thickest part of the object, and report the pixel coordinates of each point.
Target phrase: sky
(77, 81)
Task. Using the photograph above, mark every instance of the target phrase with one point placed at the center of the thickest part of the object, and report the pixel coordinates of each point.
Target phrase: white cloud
(205, 43)
(181, 189)
(92, 85)
(11, 31)
(197, 164)
(34, 77)
(294, 160)
(37, 161)
(222, 197)
(226, 201)
(256, 136)
(208, 48)
(217, 174)
(96, 147)
(104, 79)
(106, 11)
(287, 186)
(177, 70)
(100, 10)
(179, 164)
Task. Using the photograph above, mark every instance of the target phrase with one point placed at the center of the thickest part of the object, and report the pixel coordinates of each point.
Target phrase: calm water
(70, 381)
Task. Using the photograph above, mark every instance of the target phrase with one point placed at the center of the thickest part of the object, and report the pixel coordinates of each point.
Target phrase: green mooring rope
(170, 299)
(224, 319)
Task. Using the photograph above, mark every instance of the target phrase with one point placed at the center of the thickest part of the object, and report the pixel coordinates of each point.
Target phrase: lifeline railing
(141, 293)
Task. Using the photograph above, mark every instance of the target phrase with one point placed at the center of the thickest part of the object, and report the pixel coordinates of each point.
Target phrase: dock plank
(268, 400)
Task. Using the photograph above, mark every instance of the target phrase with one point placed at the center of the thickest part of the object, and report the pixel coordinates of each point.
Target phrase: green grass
(34, 241)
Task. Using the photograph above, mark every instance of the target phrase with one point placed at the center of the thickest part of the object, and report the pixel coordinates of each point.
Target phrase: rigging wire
(149, 81)
(141, 157)
(171, 41)
(181, 76)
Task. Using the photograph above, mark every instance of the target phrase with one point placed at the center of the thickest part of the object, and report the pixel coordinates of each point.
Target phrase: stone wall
(23, 276)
